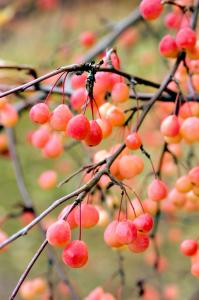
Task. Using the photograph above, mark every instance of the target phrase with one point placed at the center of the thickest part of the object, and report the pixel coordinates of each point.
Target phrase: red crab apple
(75, 254)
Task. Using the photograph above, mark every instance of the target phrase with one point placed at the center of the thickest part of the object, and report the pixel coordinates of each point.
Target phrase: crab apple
(103, 82)
(110, 237)
(78, 98)
(194, 175)
(130, 166)
(27, 217)
(194, 53)
(168, 47)
(177, 198)
(144, 222)
(75, 255)
(40, 113)
(133, 141)
(54, 147)
(40, 137)
(70, 217)
(27, 291)
(60, 117)
(189, 247)
(59, 233)
(189, 109)
(105, 126)
(47, 179)
(186, 38)
(120, 92)
(190, 130)
(87, 38)
(89, 215)
(115, 115)
(183, 184)
(78, 127)
(150, 206)
(94, 137)
(8, 115)
(151, 9)
(39, 285)
(173, 140)
(195, 269)
(140, 244)
(104, 108)
(78, 81)
(129, 37)
(125, 232)
(95, 294)
(170, 126)
(115, 78)
(173, 20)
(157, 190)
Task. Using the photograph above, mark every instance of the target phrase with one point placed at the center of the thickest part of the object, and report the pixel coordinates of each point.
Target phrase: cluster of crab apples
(185, 38)
(120, 232)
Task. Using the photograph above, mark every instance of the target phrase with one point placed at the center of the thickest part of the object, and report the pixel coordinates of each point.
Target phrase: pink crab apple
(60, 117)
(78, 127)
(78, 98)
(133, 141)
(89, 215)
(94, 137)
(87, 38)
(151, 9)
(140, 244)
(47, 179)
(78, 81)
(75, 255)
(40, 113)
(170, 126)
(70, 217)
(190, 130)
(194, 175)
(120, 92)
(168, 47)
(144, 222)
(173, 20)
(8, 115)
(186, 38)
(130, 166)
(59, 233)
(105, 126)
(189, 247)
(110, 237)
(54, 147)
(125, 232)
(40, 137)
(157, 190)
